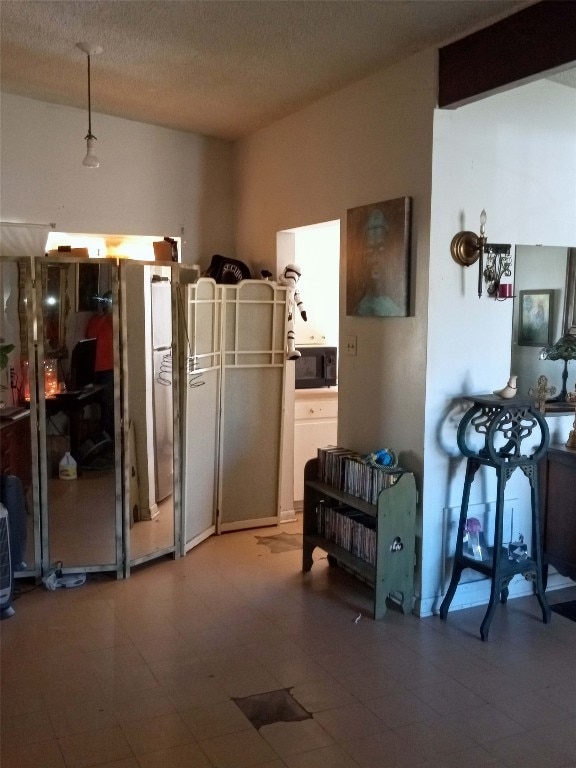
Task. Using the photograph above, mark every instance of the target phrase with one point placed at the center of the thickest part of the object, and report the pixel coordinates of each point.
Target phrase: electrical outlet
(351, 346)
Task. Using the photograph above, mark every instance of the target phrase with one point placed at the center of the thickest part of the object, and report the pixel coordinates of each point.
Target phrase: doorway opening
(311, 416)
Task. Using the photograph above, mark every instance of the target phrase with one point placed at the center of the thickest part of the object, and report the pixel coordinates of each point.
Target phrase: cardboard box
(63, 251)
(165, 251)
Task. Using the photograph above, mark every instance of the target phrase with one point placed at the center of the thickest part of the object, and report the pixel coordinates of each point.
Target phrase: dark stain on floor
(282, 542)
(272, 707)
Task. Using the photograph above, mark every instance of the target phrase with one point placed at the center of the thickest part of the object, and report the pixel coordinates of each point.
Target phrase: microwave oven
(316, 367)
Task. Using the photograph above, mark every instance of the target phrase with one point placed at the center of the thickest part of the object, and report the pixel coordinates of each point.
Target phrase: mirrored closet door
(78, 397)
(150, 387)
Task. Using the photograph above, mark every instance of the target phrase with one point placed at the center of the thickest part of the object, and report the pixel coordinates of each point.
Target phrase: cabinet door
(254, 340)
(315, 426)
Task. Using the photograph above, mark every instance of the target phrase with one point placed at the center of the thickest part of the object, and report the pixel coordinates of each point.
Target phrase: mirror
(81, 522)
(149, 387)
(544, 310)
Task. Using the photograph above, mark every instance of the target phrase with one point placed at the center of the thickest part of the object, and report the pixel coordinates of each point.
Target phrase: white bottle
(67, 469)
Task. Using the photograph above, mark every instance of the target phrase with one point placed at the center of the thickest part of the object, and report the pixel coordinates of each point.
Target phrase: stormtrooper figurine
(289, 278)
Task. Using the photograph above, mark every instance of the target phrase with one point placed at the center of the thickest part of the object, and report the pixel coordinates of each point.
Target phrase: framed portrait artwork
(378, 259)
(535, 319)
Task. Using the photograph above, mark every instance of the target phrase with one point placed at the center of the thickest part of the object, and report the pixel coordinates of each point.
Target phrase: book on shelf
(350, 472)
(351, 529)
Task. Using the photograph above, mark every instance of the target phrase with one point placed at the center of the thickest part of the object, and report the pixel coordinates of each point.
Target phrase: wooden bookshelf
(389, 566)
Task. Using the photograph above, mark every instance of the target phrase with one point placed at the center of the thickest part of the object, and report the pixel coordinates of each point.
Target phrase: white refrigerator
(161, 300)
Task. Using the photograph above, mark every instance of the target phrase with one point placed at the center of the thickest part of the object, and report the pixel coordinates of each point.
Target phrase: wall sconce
(467, 248)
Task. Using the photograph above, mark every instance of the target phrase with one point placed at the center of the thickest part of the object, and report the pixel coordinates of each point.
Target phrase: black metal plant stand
(513, 420)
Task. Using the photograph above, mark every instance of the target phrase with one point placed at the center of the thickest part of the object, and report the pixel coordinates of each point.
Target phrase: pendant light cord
(89, 136)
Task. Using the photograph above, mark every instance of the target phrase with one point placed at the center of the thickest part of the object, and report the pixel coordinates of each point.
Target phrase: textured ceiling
(218, 67)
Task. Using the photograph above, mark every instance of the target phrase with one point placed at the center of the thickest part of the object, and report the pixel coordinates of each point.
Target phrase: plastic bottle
(67, 469)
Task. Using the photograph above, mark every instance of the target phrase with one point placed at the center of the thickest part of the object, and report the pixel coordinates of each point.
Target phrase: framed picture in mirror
(535, 320)
(570, 297)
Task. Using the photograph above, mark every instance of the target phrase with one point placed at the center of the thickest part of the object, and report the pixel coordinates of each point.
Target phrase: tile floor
(143, 673)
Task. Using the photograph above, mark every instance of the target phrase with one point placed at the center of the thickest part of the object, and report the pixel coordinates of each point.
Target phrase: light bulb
(482, 222)
(91, 161)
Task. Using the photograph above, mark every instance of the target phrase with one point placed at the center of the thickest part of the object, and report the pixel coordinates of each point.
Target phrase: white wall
(514, 155)
(347, 150)
(151, 180)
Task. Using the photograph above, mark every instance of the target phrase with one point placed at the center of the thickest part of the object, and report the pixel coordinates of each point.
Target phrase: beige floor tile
(91, 715)
(292, 738)
(239, 750)
(157, 733)
(475, 757)
(353, 721)
(248, 681)
(385, 750)
(183, 756)
(531, 711)
(318, 696)
(448, 696)
(215, 720)
(484, 723)
(435, 738)
(327, 757)
(528, 750)
(44, 754)
(17, 730)
(142, 706)
(401, 708)
(93, 747)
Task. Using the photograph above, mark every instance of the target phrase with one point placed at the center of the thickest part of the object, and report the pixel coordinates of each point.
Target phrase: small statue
(541, 393)
(289, 277)
(509, 390)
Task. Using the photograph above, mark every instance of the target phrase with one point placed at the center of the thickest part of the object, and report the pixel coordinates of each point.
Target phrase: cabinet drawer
(318, 408)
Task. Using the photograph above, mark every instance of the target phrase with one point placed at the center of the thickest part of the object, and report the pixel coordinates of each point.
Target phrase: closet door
(150, 410)
(200, 338)
(254, 328)
(79, 414)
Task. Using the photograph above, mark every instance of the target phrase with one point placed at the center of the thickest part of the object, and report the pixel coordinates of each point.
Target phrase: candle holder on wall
(467, 248)
(498, 266)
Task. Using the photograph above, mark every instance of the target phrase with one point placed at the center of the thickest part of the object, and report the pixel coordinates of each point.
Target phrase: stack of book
(350, 472)
(350, 529)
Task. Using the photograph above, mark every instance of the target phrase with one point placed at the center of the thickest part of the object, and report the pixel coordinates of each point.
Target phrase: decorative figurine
(289, 278)
(541, 393)
(509, 390)
(382, 458)
(571, 442)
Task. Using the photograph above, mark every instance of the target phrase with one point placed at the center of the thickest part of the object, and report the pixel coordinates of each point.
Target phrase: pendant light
(90, 161)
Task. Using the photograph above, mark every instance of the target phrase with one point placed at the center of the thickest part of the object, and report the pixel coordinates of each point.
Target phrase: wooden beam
(521, 47)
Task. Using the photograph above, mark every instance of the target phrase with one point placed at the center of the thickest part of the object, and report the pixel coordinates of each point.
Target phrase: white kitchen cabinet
(315, 426)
